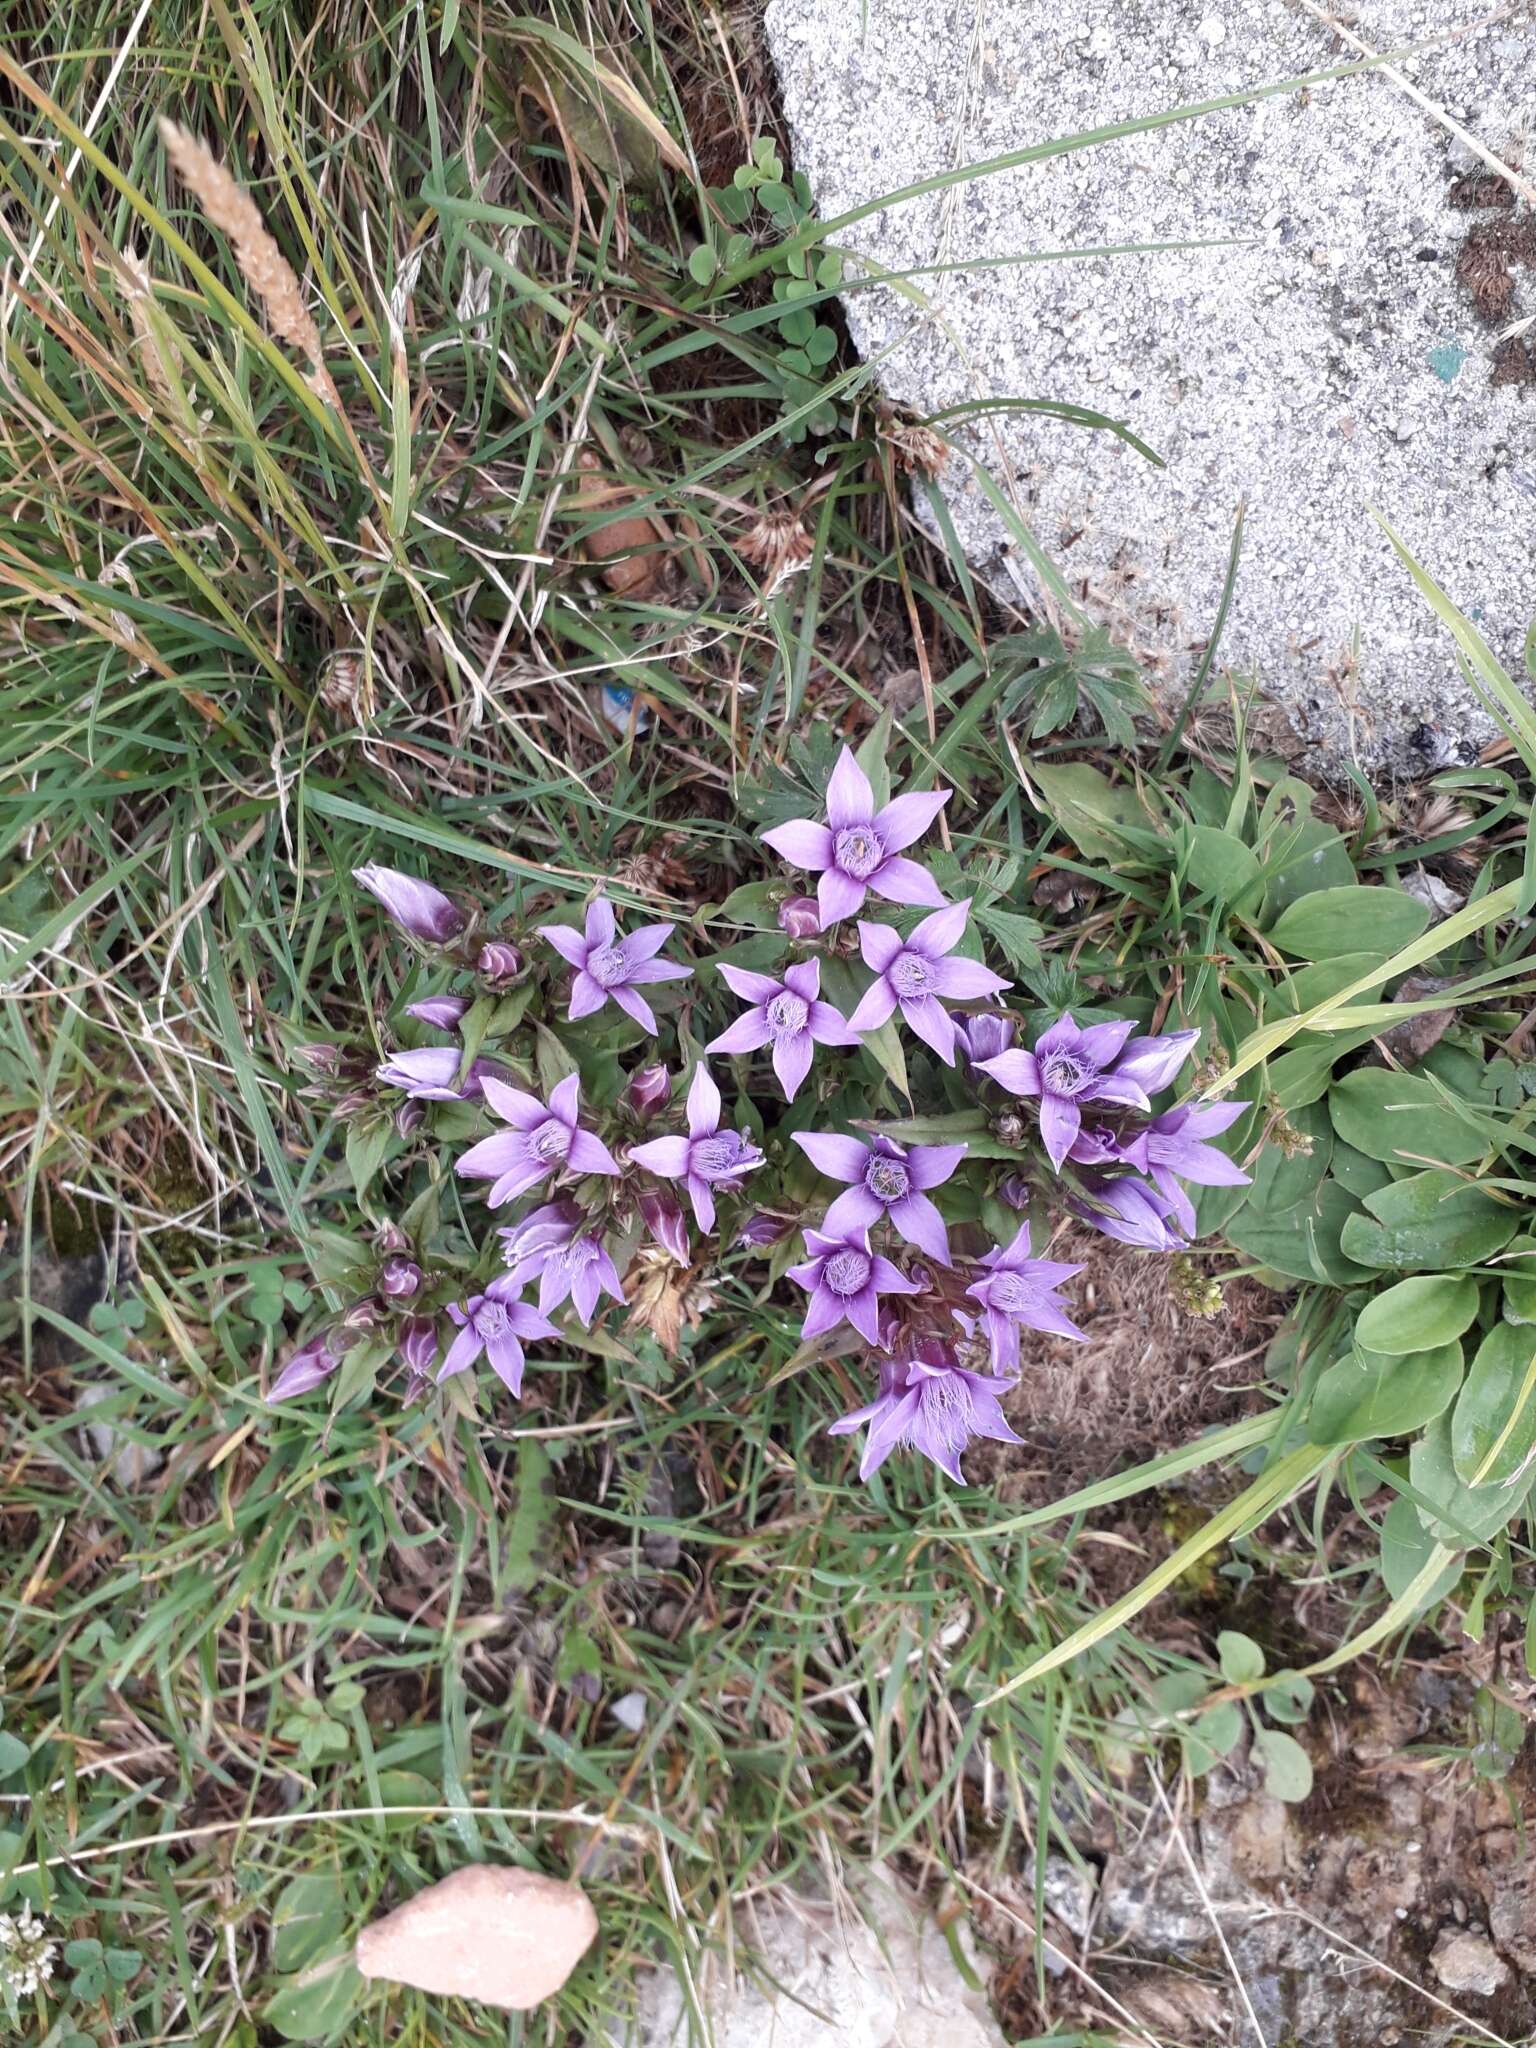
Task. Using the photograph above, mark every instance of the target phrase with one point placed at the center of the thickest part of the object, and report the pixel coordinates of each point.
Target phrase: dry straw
(262, 264)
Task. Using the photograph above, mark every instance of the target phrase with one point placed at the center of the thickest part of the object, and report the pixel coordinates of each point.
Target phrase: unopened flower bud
(648, 1089)
(664, 1220)
(419, 909)
(764, 1228)
(313, 1362)
(984, 1036)
(399, 1279)
(1010, 1127)
(362, 1315)
(389, 1237)
(324, 1060)
(418, 1343)
(1014, 1190)
(498, 963)
(408, 1117)
(800, 917)
(446, 1013)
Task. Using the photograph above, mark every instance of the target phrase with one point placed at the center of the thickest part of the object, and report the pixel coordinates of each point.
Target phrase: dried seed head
(915, 446)
(262, 263)
(779, 545)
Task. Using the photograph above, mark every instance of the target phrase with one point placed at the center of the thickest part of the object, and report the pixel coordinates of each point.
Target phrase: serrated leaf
(1018, 936)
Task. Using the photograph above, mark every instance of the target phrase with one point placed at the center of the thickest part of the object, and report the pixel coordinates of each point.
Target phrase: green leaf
(552, 1059)
(406, 1788)
(1222, 867)
(1301, 860)
(885, 1044)
(13, 1754)
(79, 1955)
(1458, 1514)
(1378, 1394)
(366, 1145)
(874, 757)
(1307, 1242)
(1493, 1429)
(701, 263)
(1399, 1118)
(530, 1534)
(1018, 936)
(1106, 820)
(123, 1964)
(1287, 1767)
(309, 1917)
(1241, 1659)
(1331, 922)
(1418, 1314)
(1281, 1179)
(1406, 1548)
(1288, 1697)
(316, 2004)
(1213, 1735)
(1431, 1222)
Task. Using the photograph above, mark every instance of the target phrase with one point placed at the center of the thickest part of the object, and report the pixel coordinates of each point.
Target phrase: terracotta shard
(507, 1937)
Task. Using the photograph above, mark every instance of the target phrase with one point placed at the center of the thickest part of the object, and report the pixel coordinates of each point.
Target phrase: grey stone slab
(1330, 363)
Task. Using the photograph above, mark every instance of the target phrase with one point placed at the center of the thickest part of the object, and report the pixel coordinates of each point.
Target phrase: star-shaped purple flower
(706, 1157)
(859, 848)
(542, 1141)
(1017, 1289)
(1071, 1065)
(607, 965)
(1174, 1143)
(787, 1015)
(914, 973)
(845, 1280)
(884, 1181)
(497, 1324)
(933, 1403)
(1131, 1213)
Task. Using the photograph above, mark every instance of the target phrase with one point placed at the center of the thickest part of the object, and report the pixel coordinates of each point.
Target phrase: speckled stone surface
(1331, 363)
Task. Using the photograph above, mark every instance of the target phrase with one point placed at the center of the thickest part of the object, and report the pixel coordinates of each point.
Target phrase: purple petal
(900, 880)
(874, 1006)
(908, 817)
(752, 988)
(839, 1158)
(589, 1155)
(1212, 1118)
(702, 1197)
(748, 1032)
(916, 1220)
(824, 1312)
(838, 896)
(988, 1419)
(645, 941)
(568, 943)
(802, 844)
(502, 1152)
(444, 1013)
(792, 1061)
(1060, 1122)
(1116, 1087)
(863, 1311)
(666, 1156)
(830, 1027)
(1017, 1070)
(648, 971)
(587, 996)
(462, 1353)
(850, 800)
(1063, 1036)
(516, 1181)
(635, 1006)
(942, 932)
(855, 1209)
(1180, 1206)
(600, 923)
(1152, 1063)
(803, 979)
(879, 943)
(514, 1106)
(703, 1104)
(892, 1429)
(928, 1020)
(884, 1278)
(966, 981)
(565, 1100)
(931, 1165)
(505, 1356)
(1101, 1042)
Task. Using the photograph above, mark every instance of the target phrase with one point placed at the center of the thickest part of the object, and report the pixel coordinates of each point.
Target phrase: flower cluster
(895, 1262)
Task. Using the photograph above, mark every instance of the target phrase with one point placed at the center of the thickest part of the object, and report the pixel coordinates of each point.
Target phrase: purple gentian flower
(607, 965)
(1174, 1143)
(527, 1245)
(581, 1272)
(1019, 1289)
(858, 848)
(914, 973)
(499, 963)
(706, 1157)
(884, 1181)
(445, 1012)
(399, 1278)
(933, 1403)
(845, 1280)
(431, 1074)
(498, 1324)
(800, 916)
(664, 1219)
(984, 1036)
(426, 913)
(1071, 1066)
(787, 1015)
(310, 1365)
(1100, 1145)
(541, 1141)
(1131, 1213)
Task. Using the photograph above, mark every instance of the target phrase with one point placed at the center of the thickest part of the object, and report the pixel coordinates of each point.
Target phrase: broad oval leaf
(1418, 1314)
(1287, 1767)
(316, 2004)
(1401, 1119)
(1222, 867)
(1493, 1431)
(1431, 1222)
(1329, 922)
(1306, 1242)
(1373, 1393)
(1458, 1514)
(309, 1917)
